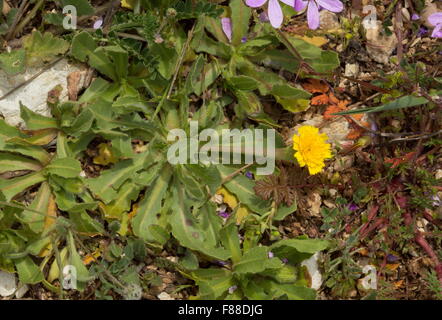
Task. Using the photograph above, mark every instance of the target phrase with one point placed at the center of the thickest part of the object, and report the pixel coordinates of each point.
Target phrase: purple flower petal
(249, 175)
(391, 258)
(275, 13)
(290, 3)
(271, 255)
(232, 289)
(422, 31)
(255, 3)
(98, 24)
(226, 24)
(437, 32)
(300, 5)
(331, 5)
(435, 18)
(415, 17)
(313, 15)
(352, 207)
(224, 214)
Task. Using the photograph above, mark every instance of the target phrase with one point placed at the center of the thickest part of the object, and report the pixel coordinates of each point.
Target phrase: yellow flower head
(311, 148)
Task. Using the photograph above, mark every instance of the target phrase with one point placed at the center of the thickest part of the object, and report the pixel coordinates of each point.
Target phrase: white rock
(312, 266)
(165, 296)
(379, 45)
(22, 290)
(351, 70)
(8, 283)
(34, 94)
(328, 20)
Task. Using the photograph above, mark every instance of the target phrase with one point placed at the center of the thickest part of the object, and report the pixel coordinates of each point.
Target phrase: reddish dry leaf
(328, 114)
(315, 86)
(319, 100)
(397, 161)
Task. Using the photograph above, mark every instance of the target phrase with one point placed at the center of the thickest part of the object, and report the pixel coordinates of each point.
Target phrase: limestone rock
(34, 93)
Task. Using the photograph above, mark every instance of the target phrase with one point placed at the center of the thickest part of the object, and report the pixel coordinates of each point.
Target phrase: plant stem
(28, 18)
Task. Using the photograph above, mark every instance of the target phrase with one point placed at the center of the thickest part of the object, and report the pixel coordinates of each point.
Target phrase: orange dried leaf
(355, 133)
(398, 284)
(92, 257)
(315, 86)
(332, 99)
(319, 100)
(328, 114)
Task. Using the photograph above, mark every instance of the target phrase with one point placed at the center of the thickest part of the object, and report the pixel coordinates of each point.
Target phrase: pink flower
(226, 24)
(313, 9)
(436, 20)
(274, 9)
(98, 23)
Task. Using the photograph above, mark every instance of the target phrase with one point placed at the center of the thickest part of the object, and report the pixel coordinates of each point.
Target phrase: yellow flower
(311, 148)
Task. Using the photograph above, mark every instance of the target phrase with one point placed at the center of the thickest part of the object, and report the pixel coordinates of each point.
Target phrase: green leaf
(64, 167)
(243, 189)
(35, 121)
(208, 45)
(294, 292)
(84, 223)
(321, 61)
(13, 62)
(127, 193)
(230, 239)
(40, 203)
(14, 186)
(189, 261)
(189, 9)
(243, 83)
(240, 16)
(255, 46)
(207, 77)
(248, 103)
(187, 229)
(213, 25)
(106, 185)
(42, 48)
(28, 271)
(400, 103)
(283, 211)
(22, 146)
(292, 99)
(303, 245)
(288, 92)
(167, 59)
(7, 131)
(83, 6)
(75, 260)
(214, 289)
(82, 46)
(120, 59)
(100, 61)
(277, 59)
(256, 260)
(150, 206)
(12, 162)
